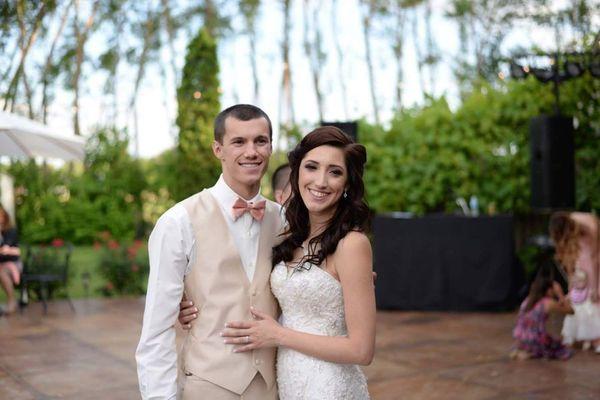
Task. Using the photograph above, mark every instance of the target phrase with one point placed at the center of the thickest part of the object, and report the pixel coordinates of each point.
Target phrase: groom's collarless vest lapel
(220, 289)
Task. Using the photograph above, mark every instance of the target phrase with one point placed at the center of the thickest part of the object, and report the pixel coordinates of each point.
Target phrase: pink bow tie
(257, 210)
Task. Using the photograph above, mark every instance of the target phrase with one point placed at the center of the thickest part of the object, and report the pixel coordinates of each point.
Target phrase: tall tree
(432, 56)
(51, 70)
(369, 13)
(82, 33)
(312, 48)
(198, 104)
(340, 57)
(287, 118)
(29, 21)
(148, 31)
(249, 10)
(398, 13)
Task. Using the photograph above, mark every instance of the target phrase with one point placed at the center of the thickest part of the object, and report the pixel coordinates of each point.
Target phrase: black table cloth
(446, 262)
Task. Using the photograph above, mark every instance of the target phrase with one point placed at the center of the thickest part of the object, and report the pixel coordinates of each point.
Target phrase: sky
(156, 105)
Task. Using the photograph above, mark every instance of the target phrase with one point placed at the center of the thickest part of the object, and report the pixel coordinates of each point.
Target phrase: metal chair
(45, 269)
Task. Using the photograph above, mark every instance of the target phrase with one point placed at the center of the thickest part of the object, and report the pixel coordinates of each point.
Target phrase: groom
(215, 247)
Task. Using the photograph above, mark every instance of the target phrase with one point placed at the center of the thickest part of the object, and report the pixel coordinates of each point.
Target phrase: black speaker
(349, 128)
(552, 162)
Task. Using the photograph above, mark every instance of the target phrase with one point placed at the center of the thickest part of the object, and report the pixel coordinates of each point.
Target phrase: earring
(345, 194)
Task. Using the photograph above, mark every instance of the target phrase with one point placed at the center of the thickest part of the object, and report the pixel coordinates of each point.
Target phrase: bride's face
(322, 179)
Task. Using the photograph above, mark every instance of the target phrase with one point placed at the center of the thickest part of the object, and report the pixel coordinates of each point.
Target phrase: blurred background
(442, 94)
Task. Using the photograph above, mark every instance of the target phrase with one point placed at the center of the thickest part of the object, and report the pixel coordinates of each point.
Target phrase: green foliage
(198, 105)
(431, 156)
(108, 195)
(123, 266)
(75, 205)
(41, 196)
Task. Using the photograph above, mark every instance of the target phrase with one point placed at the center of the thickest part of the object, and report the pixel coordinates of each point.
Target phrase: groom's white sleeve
(156, 354)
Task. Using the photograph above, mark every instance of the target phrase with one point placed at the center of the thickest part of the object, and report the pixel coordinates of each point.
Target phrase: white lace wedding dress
(311, 301)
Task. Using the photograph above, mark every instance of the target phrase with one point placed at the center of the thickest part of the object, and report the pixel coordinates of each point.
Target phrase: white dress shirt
(171, 254)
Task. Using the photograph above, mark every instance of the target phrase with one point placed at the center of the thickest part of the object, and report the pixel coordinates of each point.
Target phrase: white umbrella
(23, 138)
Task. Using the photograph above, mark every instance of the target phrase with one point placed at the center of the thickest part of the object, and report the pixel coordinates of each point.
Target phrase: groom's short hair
(242, 112)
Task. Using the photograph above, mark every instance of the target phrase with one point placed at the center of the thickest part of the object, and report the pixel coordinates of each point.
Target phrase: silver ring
(247, 339)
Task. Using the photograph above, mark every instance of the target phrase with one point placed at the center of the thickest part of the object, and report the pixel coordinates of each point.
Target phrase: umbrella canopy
(23, 138)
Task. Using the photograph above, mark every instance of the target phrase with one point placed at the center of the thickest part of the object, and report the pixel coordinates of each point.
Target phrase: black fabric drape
(445, 262)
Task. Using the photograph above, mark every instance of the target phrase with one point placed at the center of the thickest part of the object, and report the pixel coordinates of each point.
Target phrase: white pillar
(7, 195)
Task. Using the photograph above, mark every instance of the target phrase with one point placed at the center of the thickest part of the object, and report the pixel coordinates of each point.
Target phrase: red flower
(109, 285)
(131, 252)
(135, 268)
(112, 244)
(97, 245)
(58, 242)
(137, 244)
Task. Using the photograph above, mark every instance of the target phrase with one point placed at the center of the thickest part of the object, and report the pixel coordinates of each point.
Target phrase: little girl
(533, 341)
(584, 325)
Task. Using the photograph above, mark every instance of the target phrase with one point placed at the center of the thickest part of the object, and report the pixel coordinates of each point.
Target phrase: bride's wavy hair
(351, 213)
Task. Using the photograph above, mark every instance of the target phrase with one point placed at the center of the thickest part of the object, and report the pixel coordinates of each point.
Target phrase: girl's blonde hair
(565, 233)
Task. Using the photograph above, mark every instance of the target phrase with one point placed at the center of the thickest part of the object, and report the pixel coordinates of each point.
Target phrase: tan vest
(219, 287)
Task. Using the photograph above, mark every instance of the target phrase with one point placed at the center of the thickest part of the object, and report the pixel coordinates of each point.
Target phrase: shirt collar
(227, 197)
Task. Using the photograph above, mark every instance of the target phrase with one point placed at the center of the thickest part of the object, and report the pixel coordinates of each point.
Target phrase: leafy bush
(431, 155)
(76, 204)
(124, 266)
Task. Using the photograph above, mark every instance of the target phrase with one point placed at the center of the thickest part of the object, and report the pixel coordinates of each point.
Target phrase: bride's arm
(353, 260)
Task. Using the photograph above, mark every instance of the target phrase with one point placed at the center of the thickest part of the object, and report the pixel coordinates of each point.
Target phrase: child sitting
(584, 325)
(533, 340)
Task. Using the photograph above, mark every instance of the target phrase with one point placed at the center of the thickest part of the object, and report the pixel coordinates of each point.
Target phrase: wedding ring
(247, 339)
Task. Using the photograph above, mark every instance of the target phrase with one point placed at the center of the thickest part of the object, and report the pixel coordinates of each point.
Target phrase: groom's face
(244, 153)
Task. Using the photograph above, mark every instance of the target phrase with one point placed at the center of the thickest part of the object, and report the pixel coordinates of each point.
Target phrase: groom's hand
(264, 331)
(187, 313)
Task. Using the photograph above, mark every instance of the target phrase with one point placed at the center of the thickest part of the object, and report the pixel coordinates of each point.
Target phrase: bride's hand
(264, 331)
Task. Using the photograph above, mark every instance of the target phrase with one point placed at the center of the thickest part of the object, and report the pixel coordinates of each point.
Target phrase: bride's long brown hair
(352, 212)
(565, 233)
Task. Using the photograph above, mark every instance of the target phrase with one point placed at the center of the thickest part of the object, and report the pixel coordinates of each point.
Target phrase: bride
(322, 277)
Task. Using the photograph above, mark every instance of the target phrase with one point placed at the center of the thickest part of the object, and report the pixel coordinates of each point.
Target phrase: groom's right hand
(187, 313)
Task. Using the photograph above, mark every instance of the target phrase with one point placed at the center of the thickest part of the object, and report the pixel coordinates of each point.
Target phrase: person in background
(584, 325)
(10, 265)
(577, 240)
(280, 182)
(532, 338)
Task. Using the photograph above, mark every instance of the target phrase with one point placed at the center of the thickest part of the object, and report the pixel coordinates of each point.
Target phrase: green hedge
(432, 155)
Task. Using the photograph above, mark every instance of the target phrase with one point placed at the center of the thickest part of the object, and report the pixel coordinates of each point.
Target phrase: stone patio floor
(89, 355)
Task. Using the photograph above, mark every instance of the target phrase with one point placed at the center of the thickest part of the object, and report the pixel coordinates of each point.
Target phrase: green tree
(198, 105)
(108, 195)
(430, 156)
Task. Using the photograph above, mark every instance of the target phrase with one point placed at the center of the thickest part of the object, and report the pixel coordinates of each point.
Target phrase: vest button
(257, 361)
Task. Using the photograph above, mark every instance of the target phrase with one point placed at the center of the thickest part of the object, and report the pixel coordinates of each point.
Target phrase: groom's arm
(156, 353)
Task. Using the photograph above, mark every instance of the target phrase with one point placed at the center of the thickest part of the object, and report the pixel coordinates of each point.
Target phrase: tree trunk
(286, 100)
(366, 22)
(312, 49)
(24, 45)
(340, 58)
(249, 10)
(431, 48)
(49, 61)
(149, 30)
(398, 49)
(168, 18)
(418, 51)
(81, 37)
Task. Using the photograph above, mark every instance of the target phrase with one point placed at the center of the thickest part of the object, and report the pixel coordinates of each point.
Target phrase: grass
(83, 266)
